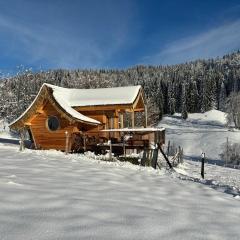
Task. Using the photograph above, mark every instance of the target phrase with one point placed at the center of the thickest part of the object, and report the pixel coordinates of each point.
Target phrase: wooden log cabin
(77, 120)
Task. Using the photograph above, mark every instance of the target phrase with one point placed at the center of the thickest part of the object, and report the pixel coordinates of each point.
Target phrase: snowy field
(201, 132)
(48, 195)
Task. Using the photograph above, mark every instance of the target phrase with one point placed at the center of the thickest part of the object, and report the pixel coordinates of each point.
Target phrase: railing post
(124, 146)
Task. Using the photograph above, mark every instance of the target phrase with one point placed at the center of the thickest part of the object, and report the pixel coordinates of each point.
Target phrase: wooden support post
(116, 116)
(164, 155)
(84, 143)
(146, 116)
(121, 120)
(133, 119)
(124, 147)
(116, 124)
(144, 157)
(67, 142)
(110, 150)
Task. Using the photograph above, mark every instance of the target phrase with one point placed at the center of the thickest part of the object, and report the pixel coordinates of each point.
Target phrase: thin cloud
(57, 46)
(214, 42)
(48, 44)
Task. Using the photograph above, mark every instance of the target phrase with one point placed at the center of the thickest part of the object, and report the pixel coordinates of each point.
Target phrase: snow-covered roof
(95, 97)
(75, 114)
(68, 98)
(63, 104)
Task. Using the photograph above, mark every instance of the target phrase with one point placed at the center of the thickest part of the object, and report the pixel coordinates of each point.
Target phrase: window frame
(47, 123)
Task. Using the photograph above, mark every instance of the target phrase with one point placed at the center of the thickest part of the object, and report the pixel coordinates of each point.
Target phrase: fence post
(21, 145)
(168, 148)
(154, 156)
(182, 155)
(202, 165)
(21, 141)
(227, 152)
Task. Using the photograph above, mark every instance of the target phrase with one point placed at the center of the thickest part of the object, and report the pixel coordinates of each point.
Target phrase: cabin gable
(43, 137)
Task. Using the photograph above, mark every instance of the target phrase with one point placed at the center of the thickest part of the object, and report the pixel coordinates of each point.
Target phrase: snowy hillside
(50, 195)
(201, 132)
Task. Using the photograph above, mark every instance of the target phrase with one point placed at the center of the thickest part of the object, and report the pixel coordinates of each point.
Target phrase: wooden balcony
(120, 139)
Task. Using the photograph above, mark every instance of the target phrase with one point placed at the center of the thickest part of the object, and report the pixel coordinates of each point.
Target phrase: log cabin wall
(109, 118)
(46, 139)
(105, 117)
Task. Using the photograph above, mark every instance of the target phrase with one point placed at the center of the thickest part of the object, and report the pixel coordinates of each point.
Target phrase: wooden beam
(133, 119)
(103, 107)
(138, 109)
(40, 111)
(121, 120)
(146, 116)
(116, 119)
(138, 98)
(34, 140)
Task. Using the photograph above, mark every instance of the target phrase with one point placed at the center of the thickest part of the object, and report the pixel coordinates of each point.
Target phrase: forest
(196, 86)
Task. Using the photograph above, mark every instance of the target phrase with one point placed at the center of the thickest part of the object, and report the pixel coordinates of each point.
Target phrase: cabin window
(53, 123)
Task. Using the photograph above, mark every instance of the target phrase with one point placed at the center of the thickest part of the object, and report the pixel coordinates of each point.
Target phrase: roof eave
(45, 92)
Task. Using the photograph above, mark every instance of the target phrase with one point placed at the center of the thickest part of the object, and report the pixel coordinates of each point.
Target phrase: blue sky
(72, 34)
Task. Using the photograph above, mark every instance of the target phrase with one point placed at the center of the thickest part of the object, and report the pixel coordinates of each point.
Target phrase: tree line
(196, 86)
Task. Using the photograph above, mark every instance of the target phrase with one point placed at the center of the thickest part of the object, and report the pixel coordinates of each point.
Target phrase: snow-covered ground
(48, 195)
(217, 177)
(201, 132)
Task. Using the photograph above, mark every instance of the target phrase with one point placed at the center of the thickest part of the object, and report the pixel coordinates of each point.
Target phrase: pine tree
(162, 84)
(193, 98)
(171, 99)
(222, 97)
(184, 104)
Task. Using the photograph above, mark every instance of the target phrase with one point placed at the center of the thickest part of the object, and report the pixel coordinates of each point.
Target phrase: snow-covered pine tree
(184, 112)
(193, 97)
(233, 109)
(202, 76)
(222, 97)
(171, 99)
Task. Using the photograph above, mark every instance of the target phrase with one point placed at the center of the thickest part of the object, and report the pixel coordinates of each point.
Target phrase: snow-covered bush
(233, 109)
(231, 153)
